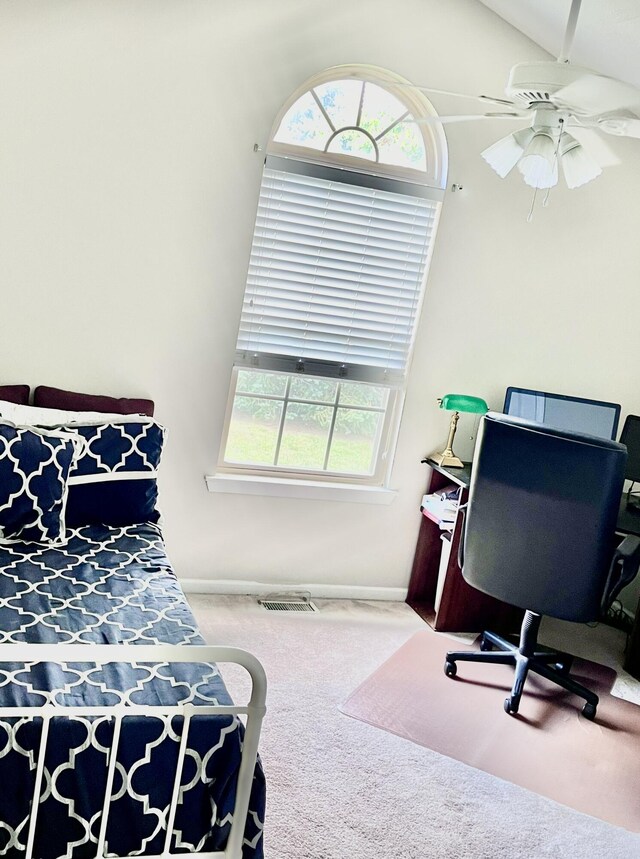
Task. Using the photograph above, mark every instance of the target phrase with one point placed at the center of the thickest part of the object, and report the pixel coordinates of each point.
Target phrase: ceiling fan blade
(621, 126)
(594, 144)
(593, 94)
(447, 120)
(486, 98)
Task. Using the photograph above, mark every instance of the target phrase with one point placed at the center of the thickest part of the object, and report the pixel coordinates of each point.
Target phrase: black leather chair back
(541, 519)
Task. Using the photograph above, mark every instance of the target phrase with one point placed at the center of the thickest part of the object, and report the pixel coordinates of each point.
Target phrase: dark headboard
(15, 394)
(55, 398)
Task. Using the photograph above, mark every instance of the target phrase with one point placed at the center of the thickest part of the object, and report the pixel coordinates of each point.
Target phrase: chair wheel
(485, 645)
(450, 669)
(510, 707)
(589, 711)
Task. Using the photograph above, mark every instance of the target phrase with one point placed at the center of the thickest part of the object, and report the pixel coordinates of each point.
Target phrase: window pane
(252, 382)
(304, 124)
(320, 390)
(354, 446)
(341, 100)
(379, 109)
(305, 435)
(353, 394)
(403, 146)
(353, 142)
(253, 431)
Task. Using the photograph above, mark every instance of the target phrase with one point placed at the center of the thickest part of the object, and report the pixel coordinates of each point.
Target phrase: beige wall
(128, 186)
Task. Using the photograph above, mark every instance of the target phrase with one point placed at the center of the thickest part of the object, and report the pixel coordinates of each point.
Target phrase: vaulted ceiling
(607, 38)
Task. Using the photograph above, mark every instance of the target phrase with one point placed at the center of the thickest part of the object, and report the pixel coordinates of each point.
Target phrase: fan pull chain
(533, 202)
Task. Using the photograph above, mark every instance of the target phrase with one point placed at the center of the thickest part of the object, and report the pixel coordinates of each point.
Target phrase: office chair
(539, 533)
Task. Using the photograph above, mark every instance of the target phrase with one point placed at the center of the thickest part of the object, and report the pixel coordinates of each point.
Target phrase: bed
(115, 738)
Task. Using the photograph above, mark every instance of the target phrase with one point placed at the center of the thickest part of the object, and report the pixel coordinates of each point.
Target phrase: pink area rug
(549, 747)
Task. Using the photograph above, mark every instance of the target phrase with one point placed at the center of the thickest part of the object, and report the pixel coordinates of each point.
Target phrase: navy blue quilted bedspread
(112, 585)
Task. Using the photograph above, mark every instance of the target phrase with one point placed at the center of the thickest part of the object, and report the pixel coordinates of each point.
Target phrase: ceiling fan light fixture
(578, 166)
(555, 95)
(539, 163)
(503, 155)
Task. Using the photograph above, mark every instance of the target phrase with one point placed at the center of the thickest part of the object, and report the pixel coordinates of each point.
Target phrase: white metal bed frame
(101, 654)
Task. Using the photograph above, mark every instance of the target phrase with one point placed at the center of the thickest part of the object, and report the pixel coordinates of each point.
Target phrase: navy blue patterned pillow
(114, 481)
(34, 470)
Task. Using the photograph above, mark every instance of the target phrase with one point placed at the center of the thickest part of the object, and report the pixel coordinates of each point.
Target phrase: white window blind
(336, 273)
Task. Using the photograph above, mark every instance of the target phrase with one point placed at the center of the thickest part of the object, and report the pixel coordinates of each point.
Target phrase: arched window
(353, 118)
(347, 214)
(348, 116)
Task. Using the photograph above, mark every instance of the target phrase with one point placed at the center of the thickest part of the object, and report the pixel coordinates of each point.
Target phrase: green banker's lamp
(456, 403)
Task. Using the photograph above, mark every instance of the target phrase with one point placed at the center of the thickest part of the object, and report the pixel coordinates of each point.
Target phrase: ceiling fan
(564, 105)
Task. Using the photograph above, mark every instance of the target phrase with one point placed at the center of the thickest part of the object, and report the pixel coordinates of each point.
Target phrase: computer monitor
(568, 413)
(630, 437)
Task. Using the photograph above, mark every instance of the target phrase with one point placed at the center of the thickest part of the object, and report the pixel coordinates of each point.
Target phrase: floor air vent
(282, 602)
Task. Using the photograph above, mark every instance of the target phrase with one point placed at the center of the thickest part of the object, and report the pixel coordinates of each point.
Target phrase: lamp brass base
(446, 459)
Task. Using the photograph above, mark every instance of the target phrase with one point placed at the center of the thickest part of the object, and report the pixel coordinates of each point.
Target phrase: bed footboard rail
(102, 654)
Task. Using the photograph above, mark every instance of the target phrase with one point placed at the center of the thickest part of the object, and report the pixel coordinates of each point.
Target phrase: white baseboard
(315, 590)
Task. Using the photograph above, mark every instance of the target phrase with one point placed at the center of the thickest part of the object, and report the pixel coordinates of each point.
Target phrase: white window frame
(386, 436)
(434, 179)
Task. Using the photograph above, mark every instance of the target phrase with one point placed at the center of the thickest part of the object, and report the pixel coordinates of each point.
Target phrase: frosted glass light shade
(536, 154)
(578, 166)
(539, 165)
(503, 155)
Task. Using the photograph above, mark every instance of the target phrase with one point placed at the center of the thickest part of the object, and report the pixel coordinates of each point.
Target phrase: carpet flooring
(340, 789)
(549, 747)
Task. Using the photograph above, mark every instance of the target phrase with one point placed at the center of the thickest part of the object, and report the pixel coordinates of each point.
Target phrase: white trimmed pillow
(114, 480)
(34, 473)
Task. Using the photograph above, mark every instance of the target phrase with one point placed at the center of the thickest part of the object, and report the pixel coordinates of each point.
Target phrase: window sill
(281, 487)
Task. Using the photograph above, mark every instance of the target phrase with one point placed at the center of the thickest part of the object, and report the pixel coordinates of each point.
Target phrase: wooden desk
(628, 518)
(461, 608)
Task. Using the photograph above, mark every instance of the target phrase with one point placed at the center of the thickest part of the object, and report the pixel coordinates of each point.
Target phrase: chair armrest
(624, 568)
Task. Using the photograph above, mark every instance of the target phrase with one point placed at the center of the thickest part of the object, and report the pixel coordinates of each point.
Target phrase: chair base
(526, 656)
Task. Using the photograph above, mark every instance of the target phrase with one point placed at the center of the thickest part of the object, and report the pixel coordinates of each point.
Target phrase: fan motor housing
(532, 83)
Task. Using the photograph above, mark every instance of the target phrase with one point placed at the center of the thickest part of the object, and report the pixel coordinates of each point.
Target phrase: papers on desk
(449, 493)
(442, 507)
